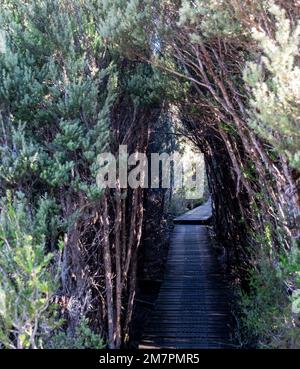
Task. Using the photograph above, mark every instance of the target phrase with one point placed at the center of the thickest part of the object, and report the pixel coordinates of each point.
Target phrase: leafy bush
(84, 338)
(27, 283)
(216, 18)
(267, 314)
(275, 87)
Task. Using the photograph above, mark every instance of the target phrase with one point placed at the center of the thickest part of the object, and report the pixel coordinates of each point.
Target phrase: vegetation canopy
(82, 78)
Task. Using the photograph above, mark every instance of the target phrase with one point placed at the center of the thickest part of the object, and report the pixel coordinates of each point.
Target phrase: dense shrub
(29, 275)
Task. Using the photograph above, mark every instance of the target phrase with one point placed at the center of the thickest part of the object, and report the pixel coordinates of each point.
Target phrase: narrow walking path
(200, 215)
(192, 307)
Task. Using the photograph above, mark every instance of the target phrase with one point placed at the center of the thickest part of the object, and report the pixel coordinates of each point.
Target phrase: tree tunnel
(84, 78)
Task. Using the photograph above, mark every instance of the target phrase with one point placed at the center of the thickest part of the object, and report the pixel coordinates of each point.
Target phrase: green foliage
(84, 338)
(63, 69)
(275, 88)
(289, 266)
(57, 98)
(123, 21)
(27, 281)
(58, 85)
(210, 18)
(148, 87)
(267, 314)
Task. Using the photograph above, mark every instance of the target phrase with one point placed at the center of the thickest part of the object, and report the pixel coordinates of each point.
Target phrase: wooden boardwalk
(192, 308)
(200, 215)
